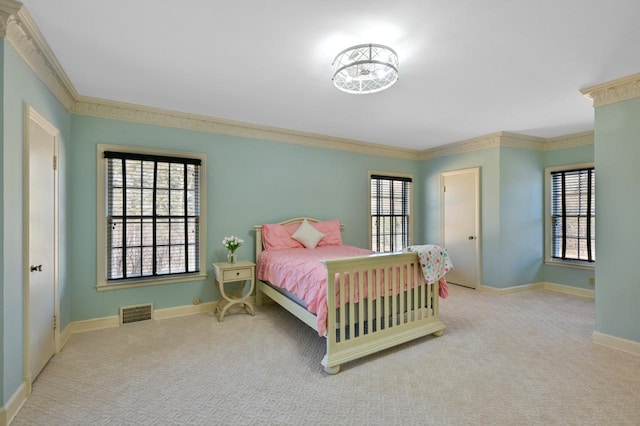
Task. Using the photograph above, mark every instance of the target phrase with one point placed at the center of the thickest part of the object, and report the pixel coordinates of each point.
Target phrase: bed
(387, 300)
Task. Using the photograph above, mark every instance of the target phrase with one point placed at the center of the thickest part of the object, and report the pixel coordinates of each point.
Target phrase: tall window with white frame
(153, 216)
(572, 213)
(390, 213)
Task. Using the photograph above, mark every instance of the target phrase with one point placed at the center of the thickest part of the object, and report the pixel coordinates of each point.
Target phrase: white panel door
(42, 246)
(460, 224)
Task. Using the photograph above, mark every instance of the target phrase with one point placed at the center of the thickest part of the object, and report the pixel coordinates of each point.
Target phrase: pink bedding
(300, 271)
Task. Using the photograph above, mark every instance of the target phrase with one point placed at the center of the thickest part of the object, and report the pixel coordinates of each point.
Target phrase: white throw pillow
(307, 235)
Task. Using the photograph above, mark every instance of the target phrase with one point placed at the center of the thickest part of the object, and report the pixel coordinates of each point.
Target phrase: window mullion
(589, 195)
(185, 213)
(154, 220)
(564, 216)
(125, 215)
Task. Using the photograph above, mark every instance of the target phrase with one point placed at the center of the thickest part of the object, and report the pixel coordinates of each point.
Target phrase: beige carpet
(521, 359)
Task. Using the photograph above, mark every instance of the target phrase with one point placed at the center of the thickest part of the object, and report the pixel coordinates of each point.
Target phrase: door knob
(471, 237)
(36, 268)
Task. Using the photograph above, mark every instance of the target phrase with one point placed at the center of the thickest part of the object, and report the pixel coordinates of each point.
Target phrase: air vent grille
(129, 314)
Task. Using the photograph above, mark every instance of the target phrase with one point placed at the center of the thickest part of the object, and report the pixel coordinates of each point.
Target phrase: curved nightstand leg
(249, 308)
(438, 333)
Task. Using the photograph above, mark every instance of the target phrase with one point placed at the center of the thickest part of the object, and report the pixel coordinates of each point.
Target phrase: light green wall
(521, 217)
(21, 86)
(248, 182)
(617, 153)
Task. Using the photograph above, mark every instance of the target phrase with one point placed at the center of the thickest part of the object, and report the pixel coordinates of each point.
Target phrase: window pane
(133, 262)
(177, 259)
(176, 172)
(134, 202)
(163, 176)
(177, 231)
(177, 203)
(162, 232)
(162, 202)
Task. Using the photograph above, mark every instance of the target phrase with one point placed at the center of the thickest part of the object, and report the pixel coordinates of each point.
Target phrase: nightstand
(241, 271)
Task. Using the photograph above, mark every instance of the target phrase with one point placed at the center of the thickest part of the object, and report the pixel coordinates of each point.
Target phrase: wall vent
(136, 313)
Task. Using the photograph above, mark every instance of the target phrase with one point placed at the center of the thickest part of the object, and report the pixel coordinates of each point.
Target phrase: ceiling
(467, 68)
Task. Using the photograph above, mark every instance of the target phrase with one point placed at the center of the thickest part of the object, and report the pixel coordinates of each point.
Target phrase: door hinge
(55, 322)
(55, 162)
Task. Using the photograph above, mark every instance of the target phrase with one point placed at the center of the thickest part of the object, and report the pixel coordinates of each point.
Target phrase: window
(571, 215)
(151, 223)
(391, 221)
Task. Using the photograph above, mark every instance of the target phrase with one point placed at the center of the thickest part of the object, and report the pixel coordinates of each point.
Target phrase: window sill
(117, 285)
(570, 264)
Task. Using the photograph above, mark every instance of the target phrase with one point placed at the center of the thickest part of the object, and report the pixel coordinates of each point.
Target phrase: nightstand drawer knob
(237, 273)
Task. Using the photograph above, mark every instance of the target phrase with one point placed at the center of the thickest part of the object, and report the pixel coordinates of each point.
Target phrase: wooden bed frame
(353, 329)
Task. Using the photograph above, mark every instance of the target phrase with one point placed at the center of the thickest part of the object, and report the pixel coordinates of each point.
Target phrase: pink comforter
(300, 271)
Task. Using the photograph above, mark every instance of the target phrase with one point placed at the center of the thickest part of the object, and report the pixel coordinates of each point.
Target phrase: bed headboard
(258, 229)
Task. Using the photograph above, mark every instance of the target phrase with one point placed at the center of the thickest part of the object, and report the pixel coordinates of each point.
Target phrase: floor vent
(136, 313)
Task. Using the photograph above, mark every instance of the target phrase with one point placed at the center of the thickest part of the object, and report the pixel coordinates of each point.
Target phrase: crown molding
(509, 139)
(613, 91)
(513, 140)
(8, 8)
(156, 116)
(517, 140)
(569, 141)
(475, 144)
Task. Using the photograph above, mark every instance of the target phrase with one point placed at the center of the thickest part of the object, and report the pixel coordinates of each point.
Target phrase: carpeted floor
(520, 359)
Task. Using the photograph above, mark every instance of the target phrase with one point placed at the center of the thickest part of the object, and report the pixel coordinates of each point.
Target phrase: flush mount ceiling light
(365, 68)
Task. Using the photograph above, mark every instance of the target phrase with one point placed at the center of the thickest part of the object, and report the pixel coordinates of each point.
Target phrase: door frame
(476, 174)
(30, 114)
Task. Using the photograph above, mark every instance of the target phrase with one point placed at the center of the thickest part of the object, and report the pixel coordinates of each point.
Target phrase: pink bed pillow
(331, 231)
(278, 237)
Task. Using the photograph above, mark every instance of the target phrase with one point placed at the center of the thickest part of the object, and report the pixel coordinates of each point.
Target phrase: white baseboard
(557, 288)
(616, 343)
(567, 289)
(509, 290)
(14, 404)
(180, 311)
(114, 321)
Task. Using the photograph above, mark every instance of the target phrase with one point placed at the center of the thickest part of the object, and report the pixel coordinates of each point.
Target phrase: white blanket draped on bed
(435, 263)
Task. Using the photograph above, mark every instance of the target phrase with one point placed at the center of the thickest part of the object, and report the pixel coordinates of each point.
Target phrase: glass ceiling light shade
(365, 68)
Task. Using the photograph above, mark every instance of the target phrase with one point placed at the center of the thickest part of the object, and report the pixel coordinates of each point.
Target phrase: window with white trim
(571, 214)
(390, 224)
(151, 223)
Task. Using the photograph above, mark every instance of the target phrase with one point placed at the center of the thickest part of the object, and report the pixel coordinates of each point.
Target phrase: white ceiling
(467, 68)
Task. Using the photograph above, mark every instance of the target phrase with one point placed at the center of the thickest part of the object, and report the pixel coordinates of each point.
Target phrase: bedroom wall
(521, 218)
(617, 151)
(249, 182)
(20, 86)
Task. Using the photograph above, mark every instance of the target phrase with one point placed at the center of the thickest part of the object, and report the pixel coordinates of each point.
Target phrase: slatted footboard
(386, 303)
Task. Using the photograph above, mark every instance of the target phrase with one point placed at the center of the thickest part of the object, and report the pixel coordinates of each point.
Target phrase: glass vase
(231, 257)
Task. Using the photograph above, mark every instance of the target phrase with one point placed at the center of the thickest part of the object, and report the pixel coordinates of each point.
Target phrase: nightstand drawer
(237, 274)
